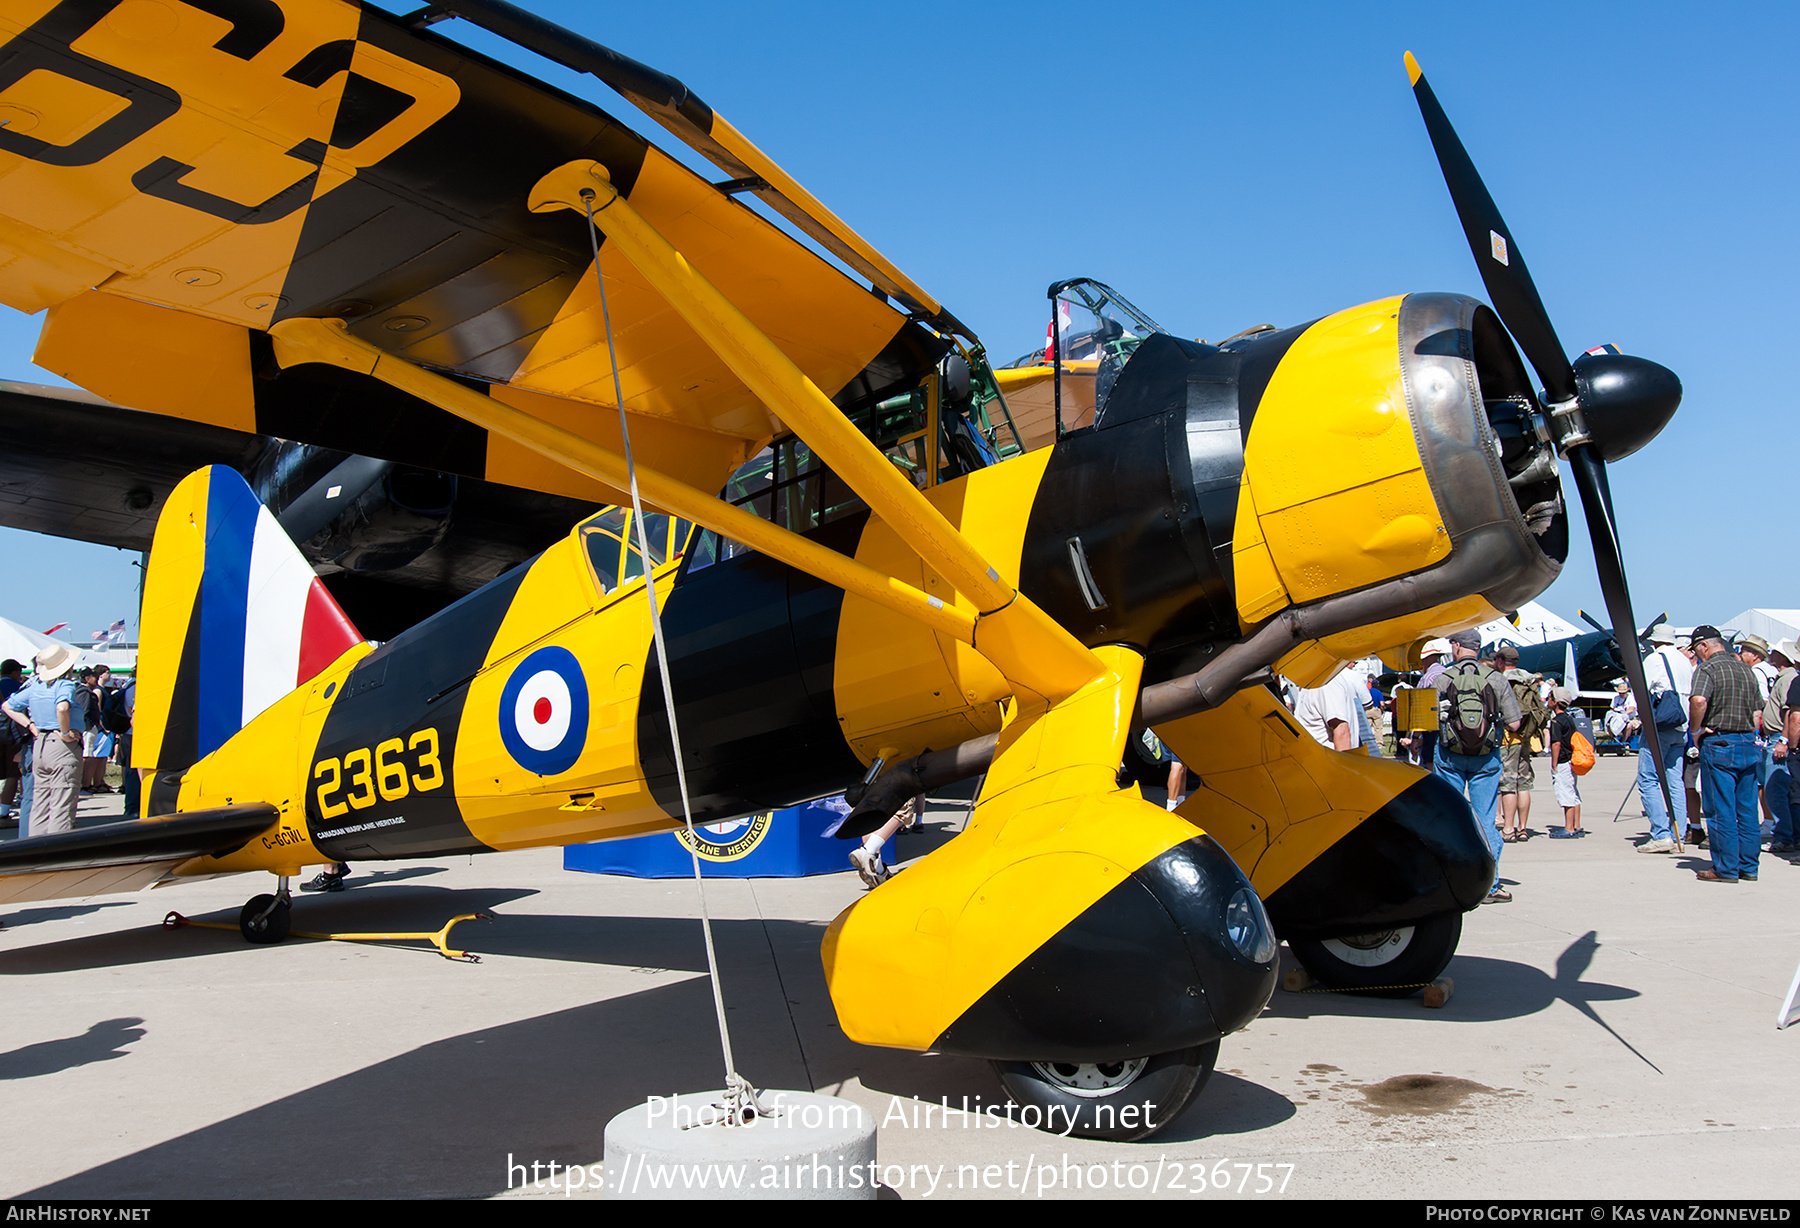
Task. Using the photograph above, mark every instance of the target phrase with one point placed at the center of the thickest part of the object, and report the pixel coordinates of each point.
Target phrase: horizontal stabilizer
(138, 841)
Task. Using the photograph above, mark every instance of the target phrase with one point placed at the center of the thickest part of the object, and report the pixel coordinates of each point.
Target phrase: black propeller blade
(1603, 407)
(1596, 501)
(1503, 270)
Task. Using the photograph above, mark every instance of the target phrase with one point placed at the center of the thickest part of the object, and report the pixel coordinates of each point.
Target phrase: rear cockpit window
(610, 541)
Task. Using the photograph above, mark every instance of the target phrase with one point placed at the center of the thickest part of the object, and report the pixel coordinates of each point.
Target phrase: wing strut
(304, 339)
(1027, 645)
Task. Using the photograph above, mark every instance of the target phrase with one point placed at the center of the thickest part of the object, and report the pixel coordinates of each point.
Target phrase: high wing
(220, 200)
(180, 177)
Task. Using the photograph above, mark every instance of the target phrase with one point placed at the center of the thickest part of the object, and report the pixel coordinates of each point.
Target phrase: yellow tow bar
(440, 939)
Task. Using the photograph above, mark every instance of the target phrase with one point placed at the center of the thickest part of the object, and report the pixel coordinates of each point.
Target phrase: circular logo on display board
(544, 712)
(729, 840)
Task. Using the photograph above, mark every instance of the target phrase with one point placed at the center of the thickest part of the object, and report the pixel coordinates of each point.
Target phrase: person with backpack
(1753, 650)
(97, 743)
(12, 802)
(1517, 777)
(1670, 675)
(1571, 755)
(1476, 705)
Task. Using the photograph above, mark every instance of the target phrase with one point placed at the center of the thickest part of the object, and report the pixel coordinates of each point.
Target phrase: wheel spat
(1602, 407)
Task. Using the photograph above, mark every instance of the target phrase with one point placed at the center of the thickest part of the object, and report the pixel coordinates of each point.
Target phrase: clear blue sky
(1227, 165)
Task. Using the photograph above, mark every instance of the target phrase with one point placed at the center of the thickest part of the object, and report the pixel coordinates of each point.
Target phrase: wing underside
(179, 177)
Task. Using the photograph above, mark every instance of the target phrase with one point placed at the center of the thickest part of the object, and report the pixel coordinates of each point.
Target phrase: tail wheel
(264, 919)
(1390, 963)
(1106, 1100)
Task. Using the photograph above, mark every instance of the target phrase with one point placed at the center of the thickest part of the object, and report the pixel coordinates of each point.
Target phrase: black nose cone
(1627, 401)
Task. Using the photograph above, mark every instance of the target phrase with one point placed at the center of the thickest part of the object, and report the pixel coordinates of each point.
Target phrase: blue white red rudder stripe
(234, 619)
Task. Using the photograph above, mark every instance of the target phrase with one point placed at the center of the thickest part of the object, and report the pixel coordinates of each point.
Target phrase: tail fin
(234, 618)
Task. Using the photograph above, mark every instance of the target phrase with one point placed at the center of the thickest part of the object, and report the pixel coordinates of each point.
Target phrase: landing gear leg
(265, 918)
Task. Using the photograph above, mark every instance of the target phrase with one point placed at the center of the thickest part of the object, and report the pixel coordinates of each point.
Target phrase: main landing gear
(1119, 1101)
(1390, 963)
(265, 919)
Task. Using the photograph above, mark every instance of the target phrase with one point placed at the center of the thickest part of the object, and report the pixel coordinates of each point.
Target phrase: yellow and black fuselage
(1217, 487)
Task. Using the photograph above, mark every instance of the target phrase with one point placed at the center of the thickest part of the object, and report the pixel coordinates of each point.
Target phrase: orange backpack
(1581, 753)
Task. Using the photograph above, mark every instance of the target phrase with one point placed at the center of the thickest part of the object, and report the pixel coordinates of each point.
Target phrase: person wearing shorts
(1562, 770)
(1517, 779)
(1517, 775)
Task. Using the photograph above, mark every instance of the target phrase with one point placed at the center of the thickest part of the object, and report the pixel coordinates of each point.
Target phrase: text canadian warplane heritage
(226, 205)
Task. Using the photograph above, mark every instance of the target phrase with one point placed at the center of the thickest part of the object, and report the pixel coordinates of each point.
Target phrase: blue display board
(775, 844)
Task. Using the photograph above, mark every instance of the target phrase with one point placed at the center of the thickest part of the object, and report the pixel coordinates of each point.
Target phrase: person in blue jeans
(1668, 672)
(1777, 781)
(1724, 712)
(1467, 757)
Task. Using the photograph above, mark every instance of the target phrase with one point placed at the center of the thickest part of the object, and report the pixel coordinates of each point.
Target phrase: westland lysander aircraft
(215, 197)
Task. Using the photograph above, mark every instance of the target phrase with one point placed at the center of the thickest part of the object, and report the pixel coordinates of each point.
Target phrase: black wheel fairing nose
(1421, 855)
(1146, 969)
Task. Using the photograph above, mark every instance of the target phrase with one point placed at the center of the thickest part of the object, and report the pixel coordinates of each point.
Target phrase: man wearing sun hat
(48, 710)
(1434, 658)
(1753, 650)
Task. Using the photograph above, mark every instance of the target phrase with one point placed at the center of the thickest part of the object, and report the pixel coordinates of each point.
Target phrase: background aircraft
(394, 542)
(1597, 661)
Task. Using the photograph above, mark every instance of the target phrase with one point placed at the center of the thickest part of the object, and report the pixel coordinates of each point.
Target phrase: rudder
(234, 618)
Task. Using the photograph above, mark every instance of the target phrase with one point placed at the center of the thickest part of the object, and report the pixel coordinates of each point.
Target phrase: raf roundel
(544, 712)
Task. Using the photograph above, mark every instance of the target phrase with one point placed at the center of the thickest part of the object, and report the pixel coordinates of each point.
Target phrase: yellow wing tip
(1413, 71)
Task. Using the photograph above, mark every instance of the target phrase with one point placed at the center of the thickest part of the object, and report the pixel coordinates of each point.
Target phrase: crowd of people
(64, 727)
(1726, 719)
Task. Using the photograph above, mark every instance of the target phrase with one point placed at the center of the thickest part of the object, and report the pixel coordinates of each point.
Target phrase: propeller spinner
(1602, 407)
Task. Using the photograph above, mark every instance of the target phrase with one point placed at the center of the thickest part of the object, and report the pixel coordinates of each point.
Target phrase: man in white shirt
(1665, 669)
(1332, 713)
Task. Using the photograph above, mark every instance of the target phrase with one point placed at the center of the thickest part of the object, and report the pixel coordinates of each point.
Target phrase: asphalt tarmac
(1611, 1036)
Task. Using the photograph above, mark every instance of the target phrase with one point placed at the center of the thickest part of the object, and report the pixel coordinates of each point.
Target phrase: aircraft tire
(272, 928)
(1095, 1094)
(1380, 964)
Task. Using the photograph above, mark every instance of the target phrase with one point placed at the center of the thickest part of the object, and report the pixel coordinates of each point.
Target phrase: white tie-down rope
(740, 1096)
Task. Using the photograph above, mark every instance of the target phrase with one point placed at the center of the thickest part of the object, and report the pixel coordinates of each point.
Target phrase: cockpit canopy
(1094, 330)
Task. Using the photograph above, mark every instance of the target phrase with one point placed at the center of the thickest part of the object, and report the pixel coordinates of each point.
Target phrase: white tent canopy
(1772, 625)
(22, 644)
(1536, 625)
